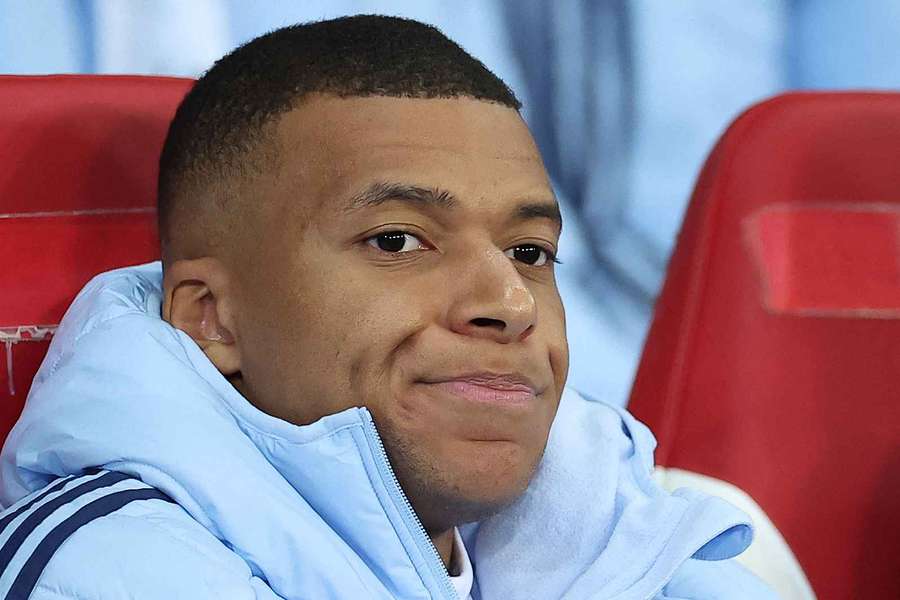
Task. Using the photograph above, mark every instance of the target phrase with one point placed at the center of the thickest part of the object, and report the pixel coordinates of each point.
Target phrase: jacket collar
(150, 404)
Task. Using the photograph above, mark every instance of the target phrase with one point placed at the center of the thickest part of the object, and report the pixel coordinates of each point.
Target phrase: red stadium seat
(78, 164)
(773, 361)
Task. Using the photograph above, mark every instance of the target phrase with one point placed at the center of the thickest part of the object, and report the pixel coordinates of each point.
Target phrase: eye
(395, 242)
(531, 254)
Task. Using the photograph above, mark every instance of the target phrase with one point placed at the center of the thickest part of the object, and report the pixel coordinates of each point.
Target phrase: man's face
(393, 270)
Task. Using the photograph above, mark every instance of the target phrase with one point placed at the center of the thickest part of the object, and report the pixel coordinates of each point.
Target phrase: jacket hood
(123, 390)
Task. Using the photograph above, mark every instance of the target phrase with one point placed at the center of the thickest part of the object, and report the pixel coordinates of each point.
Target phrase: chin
(459, 509)
(488, 484)
(451, 481)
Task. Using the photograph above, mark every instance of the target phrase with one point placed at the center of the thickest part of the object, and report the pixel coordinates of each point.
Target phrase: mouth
(487, 388)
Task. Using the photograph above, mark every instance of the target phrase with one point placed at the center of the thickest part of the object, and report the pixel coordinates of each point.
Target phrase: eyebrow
(381, 192)
(540, 210)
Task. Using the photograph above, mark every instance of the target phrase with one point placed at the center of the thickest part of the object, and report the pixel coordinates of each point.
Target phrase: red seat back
(79, 159)
(773, 361)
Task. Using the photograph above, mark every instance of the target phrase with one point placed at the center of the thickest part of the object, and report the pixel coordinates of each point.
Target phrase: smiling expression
(402, 260)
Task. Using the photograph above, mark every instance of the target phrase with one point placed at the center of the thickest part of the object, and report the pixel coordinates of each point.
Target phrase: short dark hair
(221, 122)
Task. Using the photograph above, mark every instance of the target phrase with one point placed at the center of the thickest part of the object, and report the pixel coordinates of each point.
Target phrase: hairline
(223, 175)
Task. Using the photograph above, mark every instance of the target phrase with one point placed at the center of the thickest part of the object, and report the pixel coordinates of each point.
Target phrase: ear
(197, 299)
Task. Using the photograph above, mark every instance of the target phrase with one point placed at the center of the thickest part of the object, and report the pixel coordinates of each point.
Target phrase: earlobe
(194, 302)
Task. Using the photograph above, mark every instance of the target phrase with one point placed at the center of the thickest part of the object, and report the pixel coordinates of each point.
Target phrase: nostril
(485, 322)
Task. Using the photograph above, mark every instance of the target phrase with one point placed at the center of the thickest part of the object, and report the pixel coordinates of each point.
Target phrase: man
(341, 381)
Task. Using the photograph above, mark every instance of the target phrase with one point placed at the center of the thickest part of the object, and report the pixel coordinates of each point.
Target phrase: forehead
(330, 148)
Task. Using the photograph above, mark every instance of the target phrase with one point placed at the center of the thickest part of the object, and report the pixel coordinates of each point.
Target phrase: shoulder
(586, 421)
(713, 580)
(87, 538)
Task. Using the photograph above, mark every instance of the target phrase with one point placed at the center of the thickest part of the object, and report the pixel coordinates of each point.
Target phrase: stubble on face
(330, 322)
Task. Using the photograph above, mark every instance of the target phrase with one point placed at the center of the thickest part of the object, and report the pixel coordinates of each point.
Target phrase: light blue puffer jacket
(231, 503)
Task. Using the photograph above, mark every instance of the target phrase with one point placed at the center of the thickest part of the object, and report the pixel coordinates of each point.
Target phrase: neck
(443, 542)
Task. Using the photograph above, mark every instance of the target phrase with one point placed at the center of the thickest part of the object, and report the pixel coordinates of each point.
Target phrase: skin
(307, 316)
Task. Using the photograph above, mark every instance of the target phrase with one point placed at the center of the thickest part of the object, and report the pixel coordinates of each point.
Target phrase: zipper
(423, 541)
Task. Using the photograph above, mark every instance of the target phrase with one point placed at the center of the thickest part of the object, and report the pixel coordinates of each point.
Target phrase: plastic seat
(79, 159)
(773, 361)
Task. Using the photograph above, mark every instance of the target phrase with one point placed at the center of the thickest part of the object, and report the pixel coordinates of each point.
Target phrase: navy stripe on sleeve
(60, 484)
(55, 487)
(37, 517)
(34, 566)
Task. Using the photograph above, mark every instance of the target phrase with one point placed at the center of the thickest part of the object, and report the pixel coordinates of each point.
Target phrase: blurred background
(625, 99)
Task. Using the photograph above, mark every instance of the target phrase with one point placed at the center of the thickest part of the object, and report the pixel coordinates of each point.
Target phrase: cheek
(298, 350)
(457, 436)
(382, 330)
(553, 325)
(365, 344)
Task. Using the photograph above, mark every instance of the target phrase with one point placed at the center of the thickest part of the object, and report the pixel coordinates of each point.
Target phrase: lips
(507, 389)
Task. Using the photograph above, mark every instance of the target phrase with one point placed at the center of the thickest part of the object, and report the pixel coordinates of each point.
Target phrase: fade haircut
(220, 130)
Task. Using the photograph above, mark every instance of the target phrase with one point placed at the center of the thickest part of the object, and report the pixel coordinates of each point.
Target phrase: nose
(491, 301)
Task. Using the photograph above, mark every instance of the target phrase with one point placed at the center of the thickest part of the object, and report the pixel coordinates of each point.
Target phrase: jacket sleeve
(152, 551)
(715, 580)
